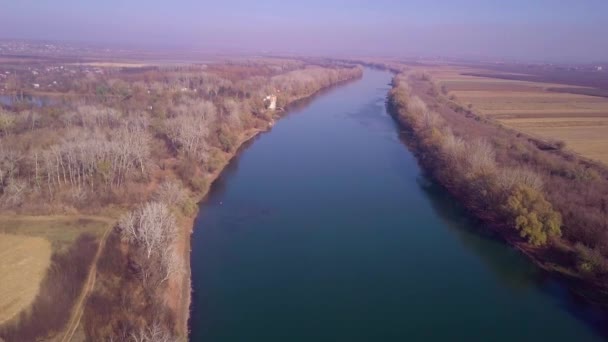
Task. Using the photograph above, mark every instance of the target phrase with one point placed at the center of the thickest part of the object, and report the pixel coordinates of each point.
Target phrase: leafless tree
(508, 178)
(7, 121)
(91, 117)
(431, 119)
(152, 227)
(454, 149)
(9, 160)
(152, 333)
(481, 158)
(171, 192)
(233, 114)
(15, 191)
(417, 107)
(81, 158)
(189, 127)
(171, 262)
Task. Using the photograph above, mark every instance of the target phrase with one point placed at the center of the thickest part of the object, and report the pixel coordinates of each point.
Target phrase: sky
(541, 30)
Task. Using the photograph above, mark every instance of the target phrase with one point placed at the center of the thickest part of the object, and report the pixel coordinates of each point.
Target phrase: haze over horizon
(568, 31)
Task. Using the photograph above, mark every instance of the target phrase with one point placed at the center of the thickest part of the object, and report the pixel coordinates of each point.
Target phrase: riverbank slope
(175, 296)
(545, 203)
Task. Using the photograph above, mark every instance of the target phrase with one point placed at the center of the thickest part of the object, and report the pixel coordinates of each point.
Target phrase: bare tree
(454, 149)
(152, 227)
(189, 134)
(172, 263)
(152, 333)
(481, 158)
(9, 160)
(431, 119)
(417, 107)
(15, 191)
(91, 117)
(509, 178)
(171, 192)
(233, 113)
(81, 159)
(7, 122)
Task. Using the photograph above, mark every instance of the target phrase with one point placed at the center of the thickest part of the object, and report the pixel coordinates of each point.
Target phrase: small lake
(35, 101)
(326, 229)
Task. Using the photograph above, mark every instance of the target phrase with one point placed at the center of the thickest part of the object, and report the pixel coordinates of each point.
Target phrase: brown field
(113, 64)
(23, 263)
(544, 110)
(26, 246)
(61, 231)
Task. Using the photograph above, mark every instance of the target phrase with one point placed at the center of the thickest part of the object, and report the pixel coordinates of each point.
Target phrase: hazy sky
(558, 30)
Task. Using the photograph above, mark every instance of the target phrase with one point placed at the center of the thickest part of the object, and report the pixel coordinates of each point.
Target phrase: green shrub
(227, 139)
(585, 267)
(198, 184)
(189, 206)
(214, 161)
(533, 216)
(590, 260)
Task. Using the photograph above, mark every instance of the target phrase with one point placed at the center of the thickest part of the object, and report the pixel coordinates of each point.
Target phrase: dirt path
(78, 309)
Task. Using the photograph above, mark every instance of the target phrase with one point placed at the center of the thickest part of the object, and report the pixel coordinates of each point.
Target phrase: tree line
(145, 142)
(510, 182)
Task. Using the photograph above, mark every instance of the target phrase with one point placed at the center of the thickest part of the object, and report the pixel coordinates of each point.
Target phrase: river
(326, 229)
(33, 100)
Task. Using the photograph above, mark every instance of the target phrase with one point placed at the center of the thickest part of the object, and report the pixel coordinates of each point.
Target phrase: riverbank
(184, 242)
(141, 144)
(467, 157)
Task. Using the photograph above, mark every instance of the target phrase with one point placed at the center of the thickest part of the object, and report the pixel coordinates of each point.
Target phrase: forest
(140, 145)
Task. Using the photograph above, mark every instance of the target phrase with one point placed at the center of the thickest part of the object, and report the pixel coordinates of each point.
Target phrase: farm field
(26, 246)
(23, 263)
(581, 121)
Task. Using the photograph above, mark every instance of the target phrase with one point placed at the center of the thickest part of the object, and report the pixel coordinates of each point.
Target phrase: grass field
(26, 245)
(23, 263)
(580, 121)
(60, 231)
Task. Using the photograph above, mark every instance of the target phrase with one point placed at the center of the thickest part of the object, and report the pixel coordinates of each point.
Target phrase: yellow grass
(26, 245)
(61, 231)
(580, 121)
(498, 102)
(23, 263)
(588, 136)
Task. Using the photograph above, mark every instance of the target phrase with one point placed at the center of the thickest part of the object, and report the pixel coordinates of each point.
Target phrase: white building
(271, 102)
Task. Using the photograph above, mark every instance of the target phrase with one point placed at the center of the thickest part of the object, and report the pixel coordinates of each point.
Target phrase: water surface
(326, 229)
(32, 100)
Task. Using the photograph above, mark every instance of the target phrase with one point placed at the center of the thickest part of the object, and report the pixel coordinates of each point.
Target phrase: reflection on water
(514, 270)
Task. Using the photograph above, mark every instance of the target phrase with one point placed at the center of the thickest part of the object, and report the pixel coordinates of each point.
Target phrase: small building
(599, 68)
(36, 85)
(271, 102)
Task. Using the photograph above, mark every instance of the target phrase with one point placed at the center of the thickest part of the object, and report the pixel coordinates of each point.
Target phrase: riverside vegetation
(549, 203)
(139, 146)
